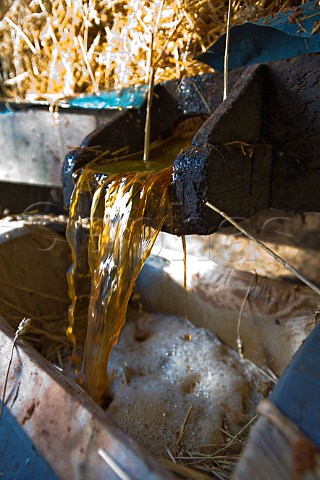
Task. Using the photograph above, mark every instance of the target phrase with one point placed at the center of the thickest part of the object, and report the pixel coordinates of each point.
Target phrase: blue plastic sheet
(19, 459)
(284, 35)
(131, 97)
(298, 391)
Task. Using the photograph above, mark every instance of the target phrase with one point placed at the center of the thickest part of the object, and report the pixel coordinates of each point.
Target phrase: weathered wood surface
(276, 103)
(239, 117)
(291, 122)
(225, 165)
(33, 143)
(67, 428)
(277, 450)
(234, 177)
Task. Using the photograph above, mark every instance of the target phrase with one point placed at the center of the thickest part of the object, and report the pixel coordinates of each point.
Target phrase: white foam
(161, 366)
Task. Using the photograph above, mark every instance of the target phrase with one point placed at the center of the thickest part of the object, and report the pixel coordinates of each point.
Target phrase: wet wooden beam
(234, 177)
(275, 106)
(291, 122)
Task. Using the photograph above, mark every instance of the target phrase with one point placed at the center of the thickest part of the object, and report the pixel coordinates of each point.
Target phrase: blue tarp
(132, 97)
(288, 34)
(19, 458)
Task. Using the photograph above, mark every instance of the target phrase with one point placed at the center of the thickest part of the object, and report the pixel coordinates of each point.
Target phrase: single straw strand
(184, 248)
(226, 55)
(150, 69)
(285, 264)
(21, 330)
(151, 74)
(113, 465)
(24, 36)
(239, 341)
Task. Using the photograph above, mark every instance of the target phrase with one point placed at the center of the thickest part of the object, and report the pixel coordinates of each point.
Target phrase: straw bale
(53, 49)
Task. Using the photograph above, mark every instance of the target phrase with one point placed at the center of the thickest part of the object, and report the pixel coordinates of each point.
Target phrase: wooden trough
(258, 149)
(51, 429)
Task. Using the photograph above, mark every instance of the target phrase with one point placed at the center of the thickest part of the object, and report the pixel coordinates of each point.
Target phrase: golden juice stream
(117, 211)
(184, 249)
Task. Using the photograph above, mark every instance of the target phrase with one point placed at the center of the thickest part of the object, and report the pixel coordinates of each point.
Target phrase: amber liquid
(184, 249)
(117, 210)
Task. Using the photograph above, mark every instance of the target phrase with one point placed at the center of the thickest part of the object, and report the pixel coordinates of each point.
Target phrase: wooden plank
(235, 178)
(19, 458)
(291, 122)
(34, 142)
(277, 103)
(278, 450)
(67, 428)
(239, 117)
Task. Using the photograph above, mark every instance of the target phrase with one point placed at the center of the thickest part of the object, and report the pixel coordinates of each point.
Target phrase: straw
(21, 330)
(285, 264)
(54, 49)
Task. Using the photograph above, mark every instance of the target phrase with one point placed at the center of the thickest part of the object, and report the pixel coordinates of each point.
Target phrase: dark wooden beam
(234, 177)
(173, 101)
(260, 148)
(274, 108)
(291, 122)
